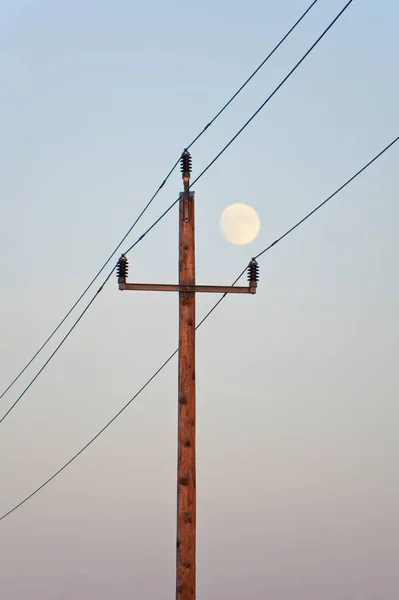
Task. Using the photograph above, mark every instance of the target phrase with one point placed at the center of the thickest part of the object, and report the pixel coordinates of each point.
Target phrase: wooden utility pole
(186, 472)
(186, 464)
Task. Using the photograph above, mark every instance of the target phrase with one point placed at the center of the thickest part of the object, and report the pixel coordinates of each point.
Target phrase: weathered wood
(186, 468)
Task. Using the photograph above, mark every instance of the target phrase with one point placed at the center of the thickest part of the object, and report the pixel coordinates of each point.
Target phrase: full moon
(240, 224)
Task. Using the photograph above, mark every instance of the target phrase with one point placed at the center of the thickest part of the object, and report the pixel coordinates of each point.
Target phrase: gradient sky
(297, 394)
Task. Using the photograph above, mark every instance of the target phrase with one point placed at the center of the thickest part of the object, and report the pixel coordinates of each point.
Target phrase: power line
(139, 239)
(239, 132)
(254, 73)
(90, 284)
(290, 230)
(155, 195)
(56, 349)
(312, 212)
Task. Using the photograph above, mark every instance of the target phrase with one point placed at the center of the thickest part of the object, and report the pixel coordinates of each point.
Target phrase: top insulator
(253, 272)
(122, 268)
(185, 163)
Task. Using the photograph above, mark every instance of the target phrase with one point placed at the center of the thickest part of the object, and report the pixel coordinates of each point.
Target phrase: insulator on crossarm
(122, 269)
(185, 163)
(253, 273)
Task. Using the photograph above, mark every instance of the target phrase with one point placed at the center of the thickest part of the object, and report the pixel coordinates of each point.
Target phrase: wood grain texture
(186, 470)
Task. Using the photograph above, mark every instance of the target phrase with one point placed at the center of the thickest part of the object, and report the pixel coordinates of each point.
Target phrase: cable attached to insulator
(122, 269)
(253, 273)
(185, 164)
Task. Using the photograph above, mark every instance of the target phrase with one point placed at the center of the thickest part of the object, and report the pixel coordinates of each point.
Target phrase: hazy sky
(297, 394)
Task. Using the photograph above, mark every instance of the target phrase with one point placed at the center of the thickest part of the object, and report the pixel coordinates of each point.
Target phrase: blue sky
(297, 388)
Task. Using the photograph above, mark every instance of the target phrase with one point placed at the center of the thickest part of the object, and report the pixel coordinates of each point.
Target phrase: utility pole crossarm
(186, 462)
(252, 271)
(215, 289)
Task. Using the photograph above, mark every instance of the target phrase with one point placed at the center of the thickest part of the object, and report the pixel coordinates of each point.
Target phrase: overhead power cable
(239, 132)
(32, 381)
(284, 235)
(193, 183)
(276, 47)
(264, 61)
